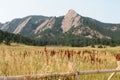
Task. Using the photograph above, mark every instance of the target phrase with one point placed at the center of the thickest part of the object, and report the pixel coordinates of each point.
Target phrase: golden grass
(20, 59)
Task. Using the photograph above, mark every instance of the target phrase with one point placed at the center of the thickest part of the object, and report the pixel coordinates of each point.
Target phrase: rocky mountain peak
(0, 23)
(72, 12)
(71, 19)
(21, 26)
(48, 23)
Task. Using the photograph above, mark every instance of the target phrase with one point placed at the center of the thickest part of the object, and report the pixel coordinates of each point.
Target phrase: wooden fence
(74, 73)
(40, 76)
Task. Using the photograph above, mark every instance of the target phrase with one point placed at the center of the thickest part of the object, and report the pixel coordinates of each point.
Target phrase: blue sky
(103, 10)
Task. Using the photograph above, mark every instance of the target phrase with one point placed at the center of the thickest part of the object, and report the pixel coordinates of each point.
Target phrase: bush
(93, 46)
(100, 46)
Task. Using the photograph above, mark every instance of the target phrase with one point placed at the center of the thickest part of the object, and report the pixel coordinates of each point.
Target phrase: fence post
(73, 69)
(110, 77)
(118, 66)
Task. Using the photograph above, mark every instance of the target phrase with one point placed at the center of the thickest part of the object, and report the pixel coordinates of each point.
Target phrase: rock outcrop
(71, 19)
(21, 26)
(49, 23)
(5, 26)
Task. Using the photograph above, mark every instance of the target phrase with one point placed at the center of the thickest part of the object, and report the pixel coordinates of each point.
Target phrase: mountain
(23, 26)
(1, 25)
(71, 19)
(70, 24)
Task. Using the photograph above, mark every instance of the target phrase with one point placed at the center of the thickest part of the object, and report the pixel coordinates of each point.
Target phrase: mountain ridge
(72, 23)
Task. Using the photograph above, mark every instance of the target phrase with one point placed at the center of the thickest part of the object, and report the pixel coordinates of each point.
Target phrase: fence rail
(39, 76)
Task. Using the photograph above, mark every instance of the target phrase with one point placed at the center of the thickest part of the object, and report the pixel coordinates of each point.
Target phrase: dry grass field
(20, 59)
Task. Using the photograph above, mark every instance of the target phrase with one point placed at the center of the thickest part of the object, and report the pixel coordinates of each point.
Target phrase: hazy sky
(102, 10)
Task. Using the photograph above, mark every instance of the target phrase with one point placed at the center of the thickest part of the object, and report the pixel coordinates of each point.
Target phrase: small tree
(93, 46)
(7, 41)
(100, 46)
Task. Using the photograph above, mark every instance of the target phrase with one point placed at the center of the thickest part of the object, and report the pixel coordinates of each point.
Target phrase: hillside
(9, 38)
(69, 29)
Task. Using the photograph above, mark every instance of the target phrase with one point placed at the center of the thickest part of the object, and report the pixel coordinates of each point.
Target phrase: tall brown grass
(22, 60)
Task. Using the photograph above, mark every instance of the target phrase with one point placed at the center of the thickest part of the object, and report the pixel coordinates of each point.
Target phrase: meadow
(19, 59)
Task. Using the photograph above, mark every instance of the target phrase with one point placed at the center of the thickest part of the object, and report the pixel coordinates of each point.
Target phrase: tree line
(8, 38)
(62, 40)
(76, 41)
